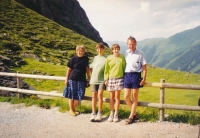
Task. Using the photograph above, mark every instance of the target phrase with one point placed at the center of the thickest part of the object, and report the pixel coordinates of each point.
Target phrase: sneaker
(110, 119)
(99, 117)
(93, 116)
(115, 118)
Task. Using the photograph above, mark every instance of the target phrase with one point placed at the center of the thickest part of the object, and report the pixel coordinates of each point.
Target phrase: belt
(133, 72)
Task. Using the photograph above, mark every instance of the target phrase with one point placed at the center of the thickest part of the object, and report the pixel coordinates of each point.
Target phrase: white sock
(94, 113)
(112, 112)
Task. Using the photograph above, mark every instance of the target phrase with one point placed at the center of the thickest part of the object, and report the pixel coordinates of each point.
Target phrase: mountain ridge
(66, 13)
(171, 52)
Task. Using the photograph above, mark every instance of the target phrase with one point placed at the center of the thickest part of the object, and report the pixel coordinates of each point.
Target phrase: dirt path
(18, 121)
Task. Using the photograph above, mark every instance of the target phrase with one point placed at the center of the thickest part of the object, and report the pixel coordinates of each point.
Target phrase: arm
(67, 75)
(144, 74)
(88, 73)
(106, 72)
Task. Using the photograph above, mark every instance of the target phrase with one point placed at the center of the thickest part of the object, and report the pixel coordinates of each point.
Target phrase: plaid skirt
(75, 90)
(115, 84)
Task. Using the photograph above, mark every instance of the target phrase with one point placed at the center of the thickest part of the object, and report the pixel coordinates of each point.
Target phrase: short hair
(115, 46)
(80, 47)
(132, 39)
(100, 45)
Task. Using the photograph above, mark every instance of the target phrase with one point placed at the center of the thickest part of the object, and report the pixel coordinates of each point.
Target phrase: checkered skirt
(115, 84)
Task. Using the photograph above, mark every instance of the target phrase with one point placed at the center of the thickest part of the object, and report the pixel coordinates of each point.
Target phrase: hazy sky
(116, 20)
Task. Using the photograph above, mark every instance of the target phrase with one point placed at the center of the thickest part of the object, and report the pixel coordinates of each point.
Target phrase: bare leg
(71, 105)
(112, 97)
(100, 96)
(94, 102)
(76, 102)
(117, 98)
(135, 102)
(127, 93)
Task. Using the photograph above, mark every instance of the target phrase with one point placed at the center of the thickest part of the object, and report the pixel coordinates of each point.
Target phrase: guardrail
(162, 85)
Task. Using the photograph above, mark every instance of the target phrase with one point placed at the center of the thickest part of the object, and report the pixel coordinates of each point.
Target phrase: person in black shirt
(78, 67)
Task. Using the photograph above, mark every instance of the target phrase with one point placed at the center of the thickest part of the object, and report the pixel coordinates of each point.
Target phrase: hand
(142, 82)
(66, 82)
(106, 83)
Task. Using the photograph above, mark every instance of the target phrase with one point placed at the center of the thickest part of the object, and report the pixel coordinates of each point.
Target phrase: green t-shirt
(98, 65)
(115, 67)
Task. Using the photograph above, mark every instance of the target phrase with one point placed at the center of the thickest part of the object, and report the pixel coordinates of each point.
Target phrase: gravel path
(18, 121)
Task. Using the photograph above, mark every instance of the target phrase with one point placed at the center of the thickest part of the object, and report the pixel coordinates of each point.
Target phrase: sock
(94, 113)
(99, 112)
(112, 112)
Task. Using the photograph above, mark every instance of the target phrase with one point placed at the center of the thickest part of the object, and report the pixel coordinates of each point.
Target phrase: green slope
(25, 32)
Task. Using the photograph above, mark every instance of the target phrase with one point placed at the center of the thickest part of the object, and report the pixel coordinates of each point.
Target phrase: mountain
(123, 45)
(67, 13)
(178, 52)
(25, 33)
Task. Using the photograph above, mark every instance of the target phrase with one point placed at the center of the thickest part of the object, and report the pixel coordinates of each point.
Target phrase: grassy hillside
(24, 32)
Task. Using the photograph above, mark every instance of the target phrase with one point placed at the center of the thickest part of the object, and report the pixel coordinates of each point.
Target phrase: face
(116, 51)
(131, 45)
(80, 52)
(100, 51)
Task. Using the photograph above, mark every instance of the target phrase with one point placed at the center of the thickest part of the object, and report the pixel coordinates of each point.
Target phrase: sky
(116, 20)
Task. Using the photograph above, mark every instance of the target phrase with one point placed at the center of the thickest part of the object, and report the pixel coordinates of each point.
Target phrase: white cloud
(145, 6)
(118, 19)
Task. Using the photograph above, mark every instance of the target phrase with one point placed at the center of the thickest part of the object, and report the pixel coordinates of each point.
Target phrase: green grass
(146, 94)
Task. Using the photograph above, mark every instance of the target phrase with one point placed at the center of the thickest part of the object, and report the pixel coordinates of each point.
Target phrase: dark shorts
(75, 90)
(132, 80)
(96, 87)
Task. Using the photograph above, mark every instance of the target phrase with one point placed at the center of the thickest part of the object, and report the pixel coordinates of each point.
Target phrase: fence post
(19, 95)
(162, 101)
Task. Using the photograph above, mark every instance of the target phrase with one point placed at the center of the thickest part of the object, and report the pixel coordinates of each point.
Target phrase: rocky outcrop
(67, 13)
(6, 81)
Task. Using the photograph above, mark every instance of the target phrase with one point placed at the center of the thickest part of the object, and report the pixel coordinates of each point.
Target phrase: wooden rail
(162, 85)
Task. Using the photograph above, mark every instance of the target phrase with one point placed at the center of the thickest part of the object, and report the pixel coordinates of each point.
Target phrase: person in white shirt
(135, 64)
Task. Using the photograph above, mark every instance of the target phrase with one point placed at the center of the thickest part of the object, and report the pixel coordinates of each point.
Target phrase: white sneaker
(110, 119)
(93, 116)
(116, 119)
(99, 117)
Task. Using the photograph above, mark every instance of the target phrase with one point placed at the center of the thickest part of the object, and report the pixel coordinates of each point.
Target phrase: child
(113, 76)
(76, 79)
(97, 82)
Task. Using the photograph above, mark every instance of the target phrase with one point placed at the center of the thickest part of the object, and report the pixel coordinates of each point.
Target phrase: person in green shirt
(97, 82)
(113, 76)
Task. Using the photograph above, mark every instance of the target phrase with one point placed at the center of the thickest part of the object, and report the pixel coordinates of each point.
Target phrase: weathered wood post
(19, 95)
(162, 101)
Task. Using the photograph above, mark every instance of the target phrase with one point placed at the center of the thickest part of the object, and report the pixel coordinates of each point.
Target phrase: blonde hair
(80, 47)
(100, 45)
(115, 46)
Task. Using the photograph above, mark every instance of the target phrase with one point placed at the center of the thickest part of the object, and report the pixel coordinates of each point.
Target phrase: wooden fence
(162, 85)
